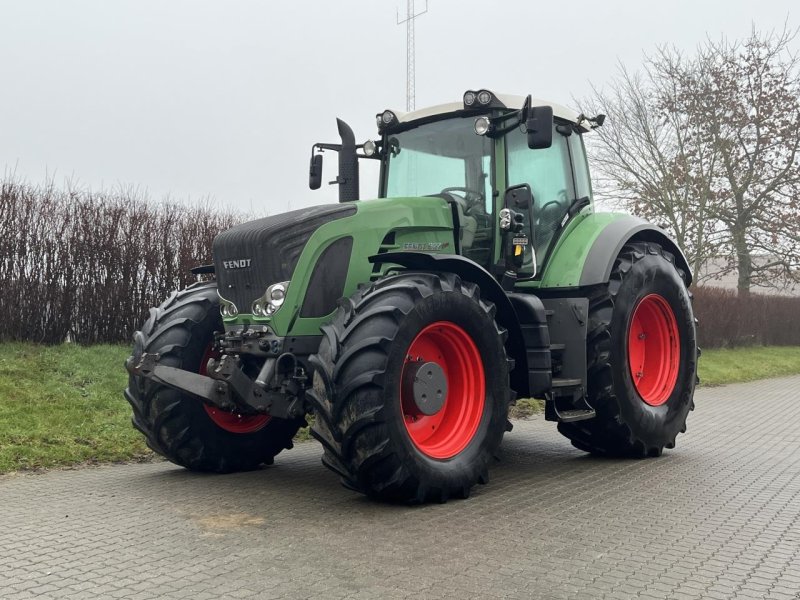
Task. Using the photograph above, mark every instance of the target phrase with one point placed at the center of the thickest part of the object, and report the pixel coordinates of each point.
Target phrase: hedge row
(86, 266)
(727, 320)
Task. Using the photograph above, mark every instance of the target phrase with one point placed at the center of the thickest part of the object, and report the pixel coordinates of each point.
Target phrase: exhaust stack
(348, 164)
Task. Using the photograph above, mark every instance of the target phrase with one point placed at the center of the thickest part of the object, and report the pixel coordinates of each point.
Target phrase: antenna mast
(410, 54)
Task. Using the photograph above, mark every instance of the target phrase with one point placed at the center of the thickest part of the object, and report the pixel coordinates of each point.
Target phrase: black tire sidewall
(654, 425)
(184, 339)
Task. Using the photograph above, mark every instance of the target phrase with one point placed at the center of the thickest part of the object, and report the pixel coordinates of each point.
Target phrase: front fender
(469, 270)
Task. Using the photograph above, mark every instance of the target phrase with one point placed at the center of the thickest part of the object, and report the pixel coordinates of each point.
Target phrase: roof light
(484, 97)
(469, 98)
(387, 117)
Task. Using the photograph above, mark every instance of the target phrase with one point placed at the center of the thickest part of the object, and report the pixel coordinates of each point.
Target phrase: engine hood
(252, 256)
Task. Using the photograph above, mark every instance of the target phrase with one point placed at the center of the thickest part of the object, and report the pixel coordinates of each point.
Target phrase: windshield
(444, 154)
(448, 158)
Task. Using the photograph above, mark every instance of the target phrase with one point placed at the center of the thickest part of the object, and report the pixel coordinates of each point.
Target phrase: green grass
(736, 365)
(63, 405)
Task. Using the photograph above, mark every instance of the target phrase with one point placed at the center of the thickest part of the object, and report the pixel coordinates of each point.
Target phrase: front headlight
(268, 304)
(227, 308)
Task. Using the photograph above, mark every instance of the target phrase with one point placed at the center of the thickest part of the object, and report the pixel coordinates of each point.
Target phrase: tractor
(407, 325)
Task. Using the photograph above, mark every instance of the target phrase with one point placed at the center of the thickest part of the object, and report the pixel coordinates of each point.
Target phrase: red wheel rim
(451, 429)
(230, 421)
(654, 349)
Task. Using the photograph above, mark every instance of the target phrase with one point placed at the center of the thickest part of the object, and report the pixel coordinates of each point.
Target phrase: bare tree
(707, 145)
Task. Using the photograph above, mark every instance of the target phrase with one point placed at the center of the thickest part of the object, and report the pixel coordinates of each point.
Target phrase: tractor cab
(512, 168)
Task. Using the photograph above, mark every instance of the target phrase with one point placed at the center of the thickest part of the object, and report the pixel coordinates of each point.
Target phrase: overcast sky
(218, 99)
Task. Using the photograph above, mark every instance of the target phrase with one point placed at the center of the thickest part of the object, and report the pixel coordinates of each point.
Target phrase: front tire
(641, 358)
(383, 438)
(180, 427)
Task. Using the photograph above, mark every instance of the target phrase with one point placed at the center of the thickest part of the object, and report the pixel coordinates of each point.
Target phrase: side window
(583, 183)
(548, 173)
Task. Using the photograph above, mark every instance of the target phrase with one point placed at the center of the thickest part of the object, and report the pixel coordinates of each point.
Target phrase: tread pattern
(348, 395)
(175, 424)
(608, 434)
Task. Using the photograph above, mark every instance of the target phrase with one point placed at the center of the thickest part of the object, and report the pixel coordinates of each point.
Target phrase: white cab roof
(510, 101)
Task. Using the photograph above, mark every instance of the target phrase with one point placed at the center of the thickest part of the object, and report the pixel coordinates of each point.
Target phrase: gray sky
(217, 99)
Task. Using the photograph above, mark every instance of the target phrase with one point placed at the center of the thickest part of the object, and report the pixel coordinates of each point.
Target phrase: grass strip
(63, 405)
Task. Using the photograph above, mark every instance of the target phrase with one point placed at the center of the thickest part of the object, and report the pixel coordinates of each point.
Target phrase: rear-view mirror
(539, 125)
(315, 172)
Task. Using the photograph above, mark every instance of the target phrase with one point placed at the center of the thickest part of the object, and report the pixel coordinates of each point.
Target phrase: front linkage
(278, 390)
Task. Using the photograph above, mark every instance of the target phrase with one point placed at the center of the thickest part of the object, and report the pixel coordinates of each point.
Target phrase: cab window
(548, 173)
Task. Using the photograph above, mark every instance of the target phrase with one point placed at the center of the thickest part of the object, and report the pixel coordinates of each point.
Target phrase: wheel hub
(426, 383)
(654, 349)
(442, 390)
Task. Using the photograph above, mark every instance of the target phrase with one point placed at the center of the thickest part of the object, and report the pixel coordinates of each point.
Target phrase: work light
(482, 125)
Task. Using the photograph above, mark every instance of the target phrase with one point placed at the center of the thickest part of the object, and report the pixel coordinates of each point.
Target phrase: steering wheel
(471, 197)
(549, 212)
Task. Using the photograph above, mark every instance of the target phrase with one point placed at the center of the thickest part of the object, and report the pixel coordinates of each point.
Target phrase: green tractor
(408, 324)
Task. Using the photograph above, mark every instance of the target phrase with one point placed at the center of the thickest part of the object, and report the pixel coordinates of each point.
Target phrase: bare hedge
(727, 320)
(88, 265)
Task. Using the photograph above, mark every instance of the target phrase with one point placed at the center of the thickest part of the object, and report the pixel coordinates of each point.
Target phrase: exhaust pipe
(348, 164)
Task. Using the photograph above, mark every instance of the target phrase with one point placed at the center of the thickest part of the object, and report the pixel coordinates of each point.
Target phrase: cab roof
(510, 101)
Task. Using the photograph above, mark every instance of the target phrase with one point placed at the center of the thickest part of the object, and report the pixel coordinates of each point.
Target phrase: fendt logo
(241, 263)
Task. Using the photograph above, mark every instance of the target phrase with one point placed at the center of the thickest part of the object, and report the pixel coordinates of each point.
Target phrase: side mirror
(315, 172)
(539, 125)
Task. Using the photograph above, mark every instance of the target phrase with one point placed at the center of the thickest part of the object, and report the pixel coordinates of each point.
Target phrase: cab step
(566, 383)
(570, 416)
(567, 402)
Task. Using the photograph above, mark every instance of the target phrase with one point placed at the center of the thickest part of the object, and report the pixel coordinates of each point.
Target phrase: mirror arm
(322, 147)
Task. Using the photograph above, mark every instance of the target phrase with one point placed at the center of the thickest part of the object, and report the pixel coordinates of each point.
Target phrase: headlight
(227, 308)
(268, 304)
(277, 293)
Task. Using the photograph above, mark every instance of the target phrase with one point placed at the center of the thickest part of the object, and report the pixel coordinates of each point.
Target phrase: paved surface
(719, 517)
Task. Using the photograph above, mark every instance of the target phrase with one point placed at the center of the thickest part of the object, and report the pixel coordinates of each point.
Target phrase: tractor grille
(250, 257)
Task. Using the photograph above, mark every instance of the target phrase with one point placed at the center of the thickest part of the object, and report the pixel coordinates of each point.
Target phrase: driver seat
(468, 225)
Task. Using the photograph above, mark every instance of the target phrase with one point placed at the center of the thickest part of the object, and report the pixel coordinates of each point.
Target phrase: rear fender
(607, 246)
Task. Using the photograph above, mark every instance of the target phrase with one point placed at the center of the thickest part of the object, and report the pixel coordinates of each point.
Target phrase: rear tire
(641, 358)
(180, 427)
(374, 435)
